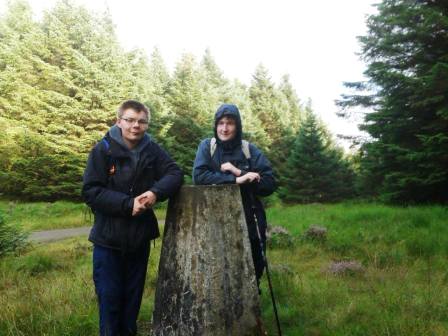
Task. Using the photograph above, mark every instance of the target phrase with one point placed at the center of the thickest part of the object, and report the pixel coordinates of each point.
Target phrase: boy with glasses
(126, 174)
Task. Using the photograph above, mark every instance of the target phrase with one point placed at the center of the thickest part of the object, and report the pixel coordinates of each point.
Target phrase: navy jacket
(111, 182)
(207, 171)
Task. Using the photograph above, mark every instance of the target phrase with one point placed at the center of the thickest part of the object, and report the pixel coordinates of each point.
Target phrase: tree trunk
(206, 283)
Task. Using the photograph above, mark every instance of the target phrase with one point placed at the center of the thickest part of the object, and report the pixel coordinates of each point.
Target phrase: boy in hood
(228, 163)
(126, 174)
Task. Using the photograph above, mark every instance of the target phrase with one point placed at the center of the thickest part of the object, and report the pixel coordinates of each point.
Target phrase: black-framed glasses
(132, 121)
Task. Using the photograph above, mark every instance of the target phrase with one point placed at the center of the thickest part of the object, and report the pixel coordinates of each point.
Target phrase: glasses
(132, 121)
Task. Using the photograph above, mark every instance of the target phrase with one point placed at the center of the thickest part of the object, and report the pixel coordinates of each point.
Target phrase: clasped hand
(246, 178)
(143, 202)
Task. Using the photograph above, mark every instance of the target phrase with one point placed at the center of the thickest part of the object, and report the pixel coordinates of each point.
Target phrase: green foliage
(11, 238)
(192, 109)
(315, 170)
(424, 244)
(37, 264)
(406, 51)
(42, 171)
(62, 78)
(267, 105)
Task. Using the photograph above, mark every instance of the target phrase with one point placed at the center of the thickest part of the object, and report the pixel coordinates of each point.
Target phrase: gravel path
(53, 235)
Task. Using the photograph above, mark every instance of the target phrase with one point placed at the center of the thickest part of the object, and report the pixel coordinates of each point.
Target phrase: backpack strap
(244, 147)
(106, 144)
(212, 146)
(110, 162)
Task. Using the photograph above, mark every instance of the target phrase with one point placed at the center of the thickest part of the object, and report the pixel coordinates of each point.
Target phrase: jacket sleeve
(260, 164)
(95, 191)
(203, 172)
(169, 177)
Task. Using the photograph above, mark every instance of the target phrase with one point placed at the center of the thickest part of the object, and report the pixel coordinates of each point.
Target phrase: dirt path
(54, 235)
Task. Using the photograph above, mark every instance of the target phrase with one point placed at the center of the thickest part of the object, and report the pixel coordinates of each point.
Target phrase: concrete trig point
(206, 283)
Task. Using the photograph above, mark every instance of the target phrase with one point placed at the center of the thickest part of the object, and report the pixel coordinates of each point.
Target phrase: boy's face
(226, 129)
(133, 126)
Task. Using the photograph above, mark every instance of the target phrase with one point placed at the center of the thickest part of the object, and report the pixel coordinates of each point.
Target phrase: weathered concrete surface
(206, 283)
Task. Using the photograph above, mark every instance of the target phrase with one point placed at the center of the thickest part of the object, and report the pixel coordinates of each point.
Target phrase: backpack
(110, 162)
(244, 147)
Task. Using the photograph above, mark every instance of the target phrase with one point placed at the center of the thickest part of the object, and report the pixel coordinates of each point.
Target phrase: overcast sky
(312, 41)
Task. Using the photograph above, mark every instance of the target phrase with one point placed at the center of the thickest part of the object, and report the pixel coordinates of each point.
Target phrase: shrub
(279, 237)
(316, 233)
(11, 238)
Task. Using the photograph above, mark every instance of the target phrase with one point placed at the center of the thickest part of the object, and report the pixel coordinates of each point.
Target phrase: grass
(45, 215)
(39, 216)
(48, 290)
(402, 291)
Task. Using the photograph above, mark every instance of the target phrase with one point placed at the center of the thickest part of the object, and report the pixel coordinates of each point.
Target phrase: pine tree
(267, 104)
(294, 109)
(20, 42)
(162, 116)
(406, 51)
(253, 131)
(193, 111)
(217, 87)
(60, 80)
(293, 112)
(213, 74)
(315, 170)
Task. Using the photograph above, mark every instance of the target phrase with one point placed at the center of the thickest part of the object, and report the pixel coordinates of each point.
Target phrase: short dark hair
(134, 105)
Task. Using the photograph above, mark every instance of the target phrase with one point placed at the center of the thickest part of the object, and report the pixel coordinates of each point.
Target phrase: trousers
(119, 280)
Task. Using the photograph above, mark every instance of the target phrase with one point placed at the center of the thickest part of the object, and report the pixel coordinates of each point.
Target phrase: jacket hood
(115, 133)
(229, 110)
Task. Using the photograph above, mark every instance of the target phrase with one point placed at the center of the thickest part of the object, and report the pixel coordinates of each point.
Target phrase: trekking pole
(265, 260)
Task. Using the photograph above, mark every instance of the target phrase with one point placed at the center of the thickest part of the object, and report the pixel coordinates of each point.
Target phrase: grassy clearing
(49, 291)
(39, 216)
(403, 290)
(45, 215)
